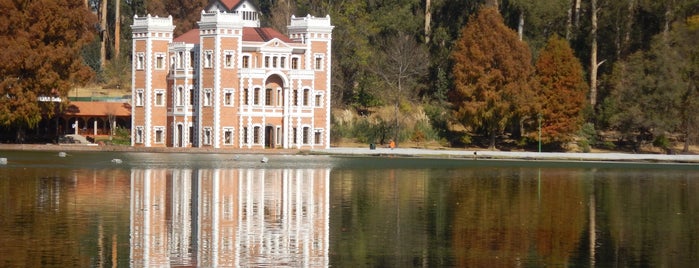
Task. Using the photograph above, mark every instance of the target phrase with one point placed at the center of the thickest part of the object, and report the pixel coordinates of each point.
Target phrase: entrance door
(269, 137)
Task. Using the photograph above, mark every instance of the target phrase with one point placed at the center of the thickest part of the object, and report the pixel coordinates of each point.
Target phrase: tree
(41, 43)
(492, 74)
(401, 66)
(655, 92)
(594, 63)
(561, 90)
(279, 15)
(536, 20)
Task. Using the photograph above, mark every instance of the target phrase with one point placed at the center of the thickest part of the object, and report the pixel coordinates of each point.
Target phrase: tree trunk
(631, 13)
(569, 22)
(428, 21)
(103, 33)
(593, 55)
(577, 13)
(117, 28)
(491, 3)
(520, 25)
(668, 18)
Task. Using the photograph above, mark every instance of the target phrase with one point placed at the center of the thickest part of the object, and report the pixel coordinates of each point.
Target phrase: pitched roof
(98, 108)
(230, 4)
(249, 34)
(263, 35)
(189, 37)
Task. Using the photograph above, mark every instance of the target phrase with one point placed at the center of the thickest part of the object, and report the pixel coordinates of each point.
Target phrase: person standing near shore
(392, 144)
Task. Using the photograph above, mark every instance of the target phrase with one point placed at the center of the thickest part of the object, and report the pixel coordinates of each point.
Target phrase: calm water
(205, 210)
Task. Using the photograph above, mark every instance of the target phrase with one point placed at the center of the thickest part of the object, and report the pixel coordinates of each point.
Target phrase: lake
(176, 209)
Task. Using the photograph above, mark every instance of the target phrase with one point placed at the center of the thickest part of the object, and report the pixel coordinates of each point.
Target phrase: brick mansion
(230, 83)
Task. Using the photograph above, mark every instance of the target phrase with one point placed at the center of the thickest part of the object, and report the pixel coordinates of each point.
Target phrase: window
(256, 97)
(294, 138)
(138, 136)
(274, 62)
(280, 97)
(305, 135)
(228, 136)
(266, 61)
(139, 97)
(282, 62)
(246, 61)
(191, 96)
(191, 59)
(207, 97)
(246, 94)
(268, 96)
(305, 96)
(208, 59)
(160, 61)
(159, 134)
(180, 60)
(245, 135)
(294, 63)
(159, 97)
(207, 136)
(180, 96)
(318, 100)
(256, 135)
(228, 59)
(317, 135)
(228, 97)
(295, 98)
(173, 60)
(319, 62)
(140, 60)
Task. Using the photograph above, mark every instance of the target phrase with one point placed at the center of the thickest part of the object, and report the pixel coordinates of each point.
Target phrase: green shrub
(661, 141)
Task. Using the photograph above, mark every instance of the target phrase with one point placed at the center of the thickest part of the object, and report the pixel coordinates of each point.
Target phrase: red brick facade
(230, 83)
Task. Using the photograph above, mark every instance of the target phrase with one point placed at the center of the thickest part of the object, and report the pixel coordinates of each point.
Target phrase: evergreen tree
(655, 92)
(492, 75)
(561, 91)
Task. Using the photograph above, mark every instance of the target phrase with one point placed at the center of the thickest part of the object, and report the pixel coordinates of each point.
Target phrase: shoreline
(378, 152)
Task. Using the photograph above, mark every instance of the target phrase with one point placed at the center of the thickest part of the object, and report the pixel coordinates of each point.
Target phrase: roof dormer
(247, 11)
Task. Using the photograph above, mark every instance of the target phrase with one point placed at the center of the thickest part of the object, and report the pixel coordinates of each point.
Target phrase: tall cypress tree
(561, 90)
(492, 75)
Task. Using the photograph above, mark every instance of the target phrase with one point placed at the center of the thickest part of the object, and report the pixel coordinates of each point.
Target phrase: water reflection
(347, 212)
(229, 217)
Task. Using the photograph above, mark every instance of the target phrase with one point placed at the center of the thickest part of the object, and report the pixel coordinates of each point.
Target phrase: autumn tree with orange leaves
(561, 91)
(41, 45)
(492, 75)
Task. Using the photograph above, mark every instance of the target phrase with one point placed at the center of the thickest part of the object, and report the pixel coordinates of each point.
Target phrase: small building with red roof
(230, 83)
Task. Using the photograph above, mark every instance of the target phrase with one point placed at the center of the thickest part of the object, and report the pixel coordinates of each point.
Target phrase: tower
(220, 43)
(316, 34)
(151, 37)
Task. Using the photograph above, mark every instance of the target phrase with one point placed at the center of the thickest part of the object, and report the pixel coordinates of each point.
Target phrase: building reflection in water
(230, 217)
